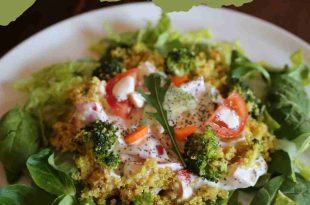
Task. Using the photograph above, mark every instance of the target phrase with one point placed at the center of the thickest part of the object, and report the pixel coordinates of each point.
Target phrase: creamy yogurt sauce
(207, 98)
(157, 145)
(239, 176)
(229, 117)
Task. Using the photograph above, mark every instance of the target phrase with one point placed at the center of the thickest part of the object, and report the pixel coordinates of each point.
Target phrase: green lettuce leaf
(48, 89)
(244, 69)
(299, 70)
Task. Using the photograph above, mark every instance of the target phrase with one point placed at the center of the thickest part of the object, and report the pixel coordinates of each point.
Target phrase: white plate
(71, 38)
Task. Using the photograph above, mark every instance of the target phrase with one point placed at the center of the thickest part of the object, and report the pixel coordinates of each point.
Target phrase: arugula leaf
(281, 163)
(298, 191)
(281, 199)
(63, 162)
(19, 194)
(19, 138)
(243, 68)
(266, 195)
(64, 200)
(156, 99)
(47, 178)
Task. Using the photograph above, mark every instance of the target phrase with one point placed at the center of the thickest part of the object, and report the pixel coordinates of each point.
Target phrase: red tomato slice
(234, 102)
(121, 109)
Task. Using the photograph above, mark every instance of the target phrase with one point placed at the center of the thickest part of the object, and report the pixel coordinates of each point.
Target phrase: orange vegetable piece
(140, 133)
(179, 80)
(182, 133)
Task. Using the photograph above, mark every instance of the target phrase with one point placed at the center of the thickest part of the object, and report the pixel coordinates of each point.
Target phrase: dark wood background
(292, 15)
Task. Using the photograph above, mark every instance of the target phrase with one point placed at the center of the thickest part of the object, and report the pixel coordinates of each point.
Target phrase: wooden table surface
(292, 15)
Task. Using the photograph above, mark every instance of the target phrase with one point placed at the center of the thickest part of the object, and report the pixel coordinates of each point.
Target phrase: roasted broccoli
(204, 157)
(180, 62)
(143, 199)
(100, 137)
(254, 104)
(108, 69)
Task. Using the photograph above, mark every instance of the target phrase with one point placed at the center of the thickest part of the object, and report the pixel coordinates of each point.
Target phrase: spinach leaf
(242, 68)
(63, 162)
(262, 180)
(46, 177)
(281, 164)
(298, 191)
(266, 195)
(233, 198)
(64, 200)
(18, 194)
(288, 104)
(156, 99)
(90, 202)
(19, 138)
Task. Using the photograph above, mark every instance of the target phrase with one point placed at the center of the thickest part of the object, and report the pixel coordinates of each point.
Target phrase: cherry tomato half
(123, 108)
(235, 103)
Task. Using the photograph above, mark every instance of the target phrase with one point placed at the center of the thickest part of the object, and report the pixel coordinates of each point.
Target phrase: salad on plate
(160, 117)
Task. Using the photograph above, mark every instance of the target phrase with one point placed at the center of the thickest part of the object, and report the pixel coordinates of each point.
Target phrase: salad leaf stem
(156, 99)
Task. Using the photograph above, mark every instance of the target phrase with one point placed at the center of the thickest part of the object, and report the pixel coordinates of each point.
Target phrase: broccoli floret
(108, 69)
(100, 137)
(254, 104)
(180, 62)
(204, 157)
(143, 199)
